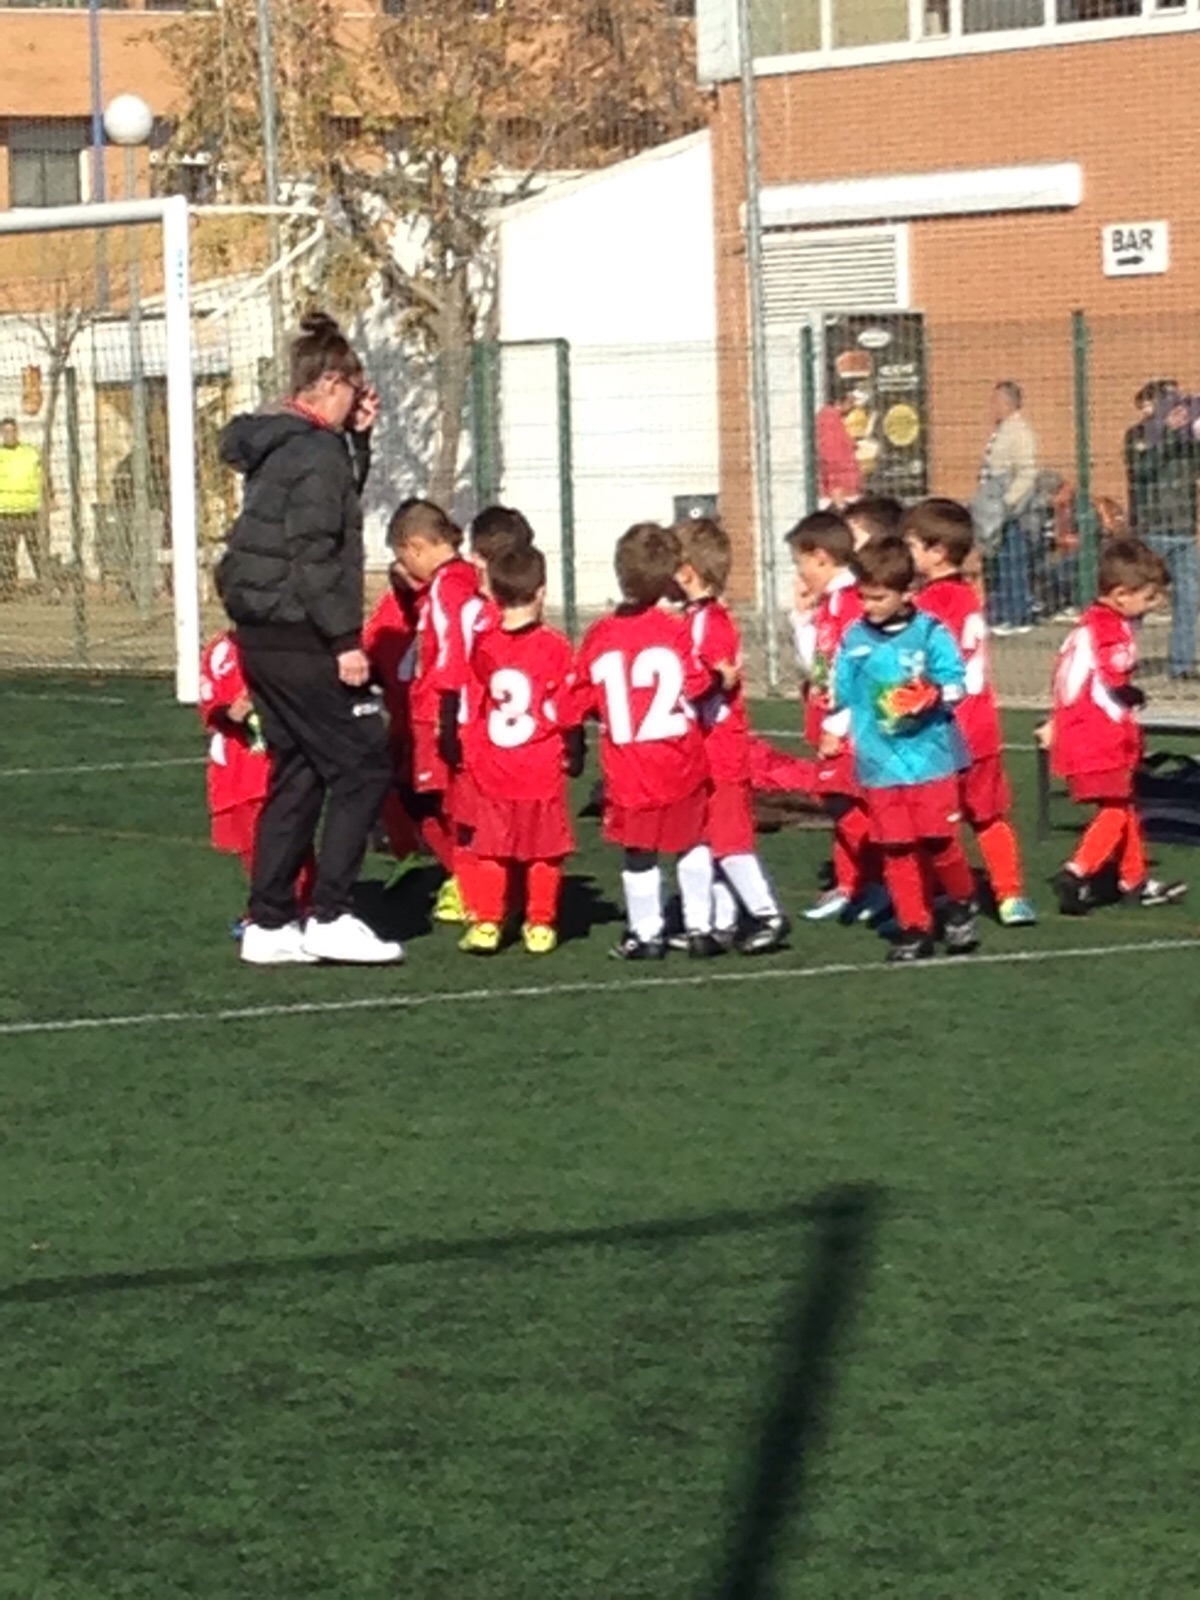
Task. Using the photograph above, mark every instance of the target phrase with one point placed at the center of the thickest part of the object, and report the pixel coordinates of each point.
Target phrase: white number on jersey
(509, 722)
(975, 652)
(656, 668)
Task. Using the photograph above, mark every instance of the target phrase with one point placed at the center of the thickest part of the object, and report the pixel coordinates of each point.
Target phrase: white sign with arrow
(1136, 249)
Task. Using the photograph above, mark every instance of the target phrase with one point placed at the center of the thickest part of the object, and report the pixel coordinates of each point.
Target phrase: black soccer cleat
(766, 935)
(911, 945)
(705, 947)
(1075, 894)
(960, 931)
(631, 948)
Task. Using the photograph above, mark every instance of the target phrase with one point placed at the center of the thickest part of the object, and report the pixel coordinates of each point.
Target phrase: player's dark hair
(646, 561)
(421, 519)
(826, 531)
(1131, 564)
(877, 514)
(8, 422)
(886, 564)
(1154, 391)
(516, 575)
(318, 348)
(1011, 392)
(706, 547)
(499, 528)
(941, 522)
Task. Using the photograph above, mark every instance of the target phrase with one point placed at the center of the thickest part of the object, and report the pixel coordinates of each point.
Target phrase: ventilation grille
(837, 270)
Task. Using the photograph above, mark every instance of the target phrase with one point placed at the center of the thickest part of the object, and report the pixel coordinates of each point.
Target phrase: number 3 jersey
(513, 740)
(638, 672)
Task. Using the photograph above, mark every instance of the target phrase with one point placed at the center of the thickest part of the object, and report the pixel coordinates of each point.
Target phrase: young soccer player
(874, 516)
(1095, 741)
(239, 767)
(637, 672)
(941, 536)
(390, 643)
(703, 576)
(449, 607)
(898, 676)
(828, 603)
(517, 748)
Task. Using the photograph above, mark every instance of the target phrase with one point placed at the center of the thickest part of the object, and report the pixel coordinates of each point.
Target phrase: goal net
(124, 348)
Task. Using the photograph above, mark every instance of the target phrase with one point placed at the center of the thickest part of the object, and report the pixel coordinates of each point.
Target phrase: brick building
(965, 160)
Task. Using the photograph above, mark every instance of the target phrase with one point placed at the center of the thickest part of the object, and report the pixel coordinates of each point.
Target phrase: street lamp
(128, 122)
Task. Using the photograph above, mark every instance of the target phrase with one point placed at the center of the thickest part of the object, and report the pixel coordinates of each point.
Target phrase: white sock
(725, 907)
(695, 874)
(643, 903)
(746, 875)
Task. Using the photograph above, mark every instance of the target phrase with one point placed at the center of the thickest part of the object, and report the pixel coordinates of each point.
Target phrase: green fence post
(808, 413)
(485, 405)
(566, 484)
(1085, 515)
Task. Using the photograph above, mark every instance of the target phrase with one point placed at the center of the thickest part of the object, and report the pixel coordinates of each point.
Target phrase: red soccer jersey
(722, 712)
(239, 768)
(513, 741)
(638, 673)
(390, 641)
(448, 613)
(1092, 730)
(954, 602)
(818, 638)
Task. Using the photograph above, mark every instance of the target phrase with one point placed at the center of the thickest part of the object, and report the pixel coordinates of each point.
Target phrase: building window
(45, 161)
(992, 16)
(785, 27)
(857, 22)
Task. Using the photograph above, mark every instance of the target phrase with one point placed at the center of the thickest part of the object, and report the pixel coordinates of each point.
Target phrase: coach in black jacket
(292, 582)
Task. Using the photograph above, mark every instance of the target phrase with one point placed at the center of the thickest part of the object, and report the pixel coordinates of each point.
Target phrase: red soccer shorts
(235, 830)
(986, 794)
(513, 830)
(430, 774)
(673, 829)
(731, 820)
(915, 811)
(1101, 788)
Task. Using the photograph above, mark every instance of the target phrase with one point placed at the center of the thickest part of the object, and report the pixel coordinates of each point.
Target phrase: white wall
(619, 264)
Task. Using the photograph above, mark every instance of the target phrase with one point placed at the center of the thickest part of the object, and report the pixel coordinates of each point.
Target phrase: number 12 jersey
(638, 673)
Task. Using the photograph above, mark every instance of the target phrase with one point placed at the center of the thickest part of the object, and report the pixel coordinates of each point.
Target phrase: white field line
(102, 766)
(65, 699)
(585, 988)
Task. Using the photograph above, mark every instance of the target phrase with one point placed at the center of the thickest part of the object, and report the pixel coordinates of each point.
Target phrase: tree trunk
(453, 331)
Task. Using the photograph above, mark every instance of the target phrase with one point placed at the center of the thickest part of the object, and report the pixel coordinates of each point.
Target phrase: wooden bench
(1160, 724)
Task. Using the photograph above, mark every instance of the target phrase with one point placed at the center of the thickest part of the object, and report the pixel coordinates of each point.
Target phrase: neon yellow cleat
(449, 907)
(481, 939)
(539, 941)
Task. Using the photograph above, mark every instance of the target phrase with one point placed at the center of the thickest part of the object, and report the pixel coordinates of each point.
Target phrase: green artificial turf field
(594, 1283)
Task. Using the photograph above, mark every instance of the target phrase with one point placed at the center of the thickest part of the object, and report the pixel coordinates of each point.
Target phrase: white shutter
(841, 269)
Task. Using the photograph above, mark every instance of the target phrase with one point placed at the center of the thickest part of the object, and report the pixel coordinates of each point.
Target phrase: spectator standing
(1007, 477)
(839, 474)
(20, 507)
(1162, 461)
(292, 583)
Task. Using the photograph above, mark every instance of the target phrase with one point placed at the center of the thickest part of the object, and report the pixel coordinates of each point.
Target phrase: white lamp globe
(128, 120)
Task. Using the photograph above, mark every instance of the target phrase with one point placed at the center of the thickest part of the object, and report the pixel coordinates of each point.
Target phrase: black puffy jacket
(294, 561)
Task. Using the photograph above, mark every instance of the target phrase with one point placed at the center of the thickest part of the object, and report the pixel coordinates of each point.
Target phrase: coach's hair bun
(319, 322)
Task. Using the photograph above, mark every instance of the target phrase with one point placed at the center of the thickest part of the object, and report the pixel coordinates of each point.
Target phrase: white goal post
(171, 214)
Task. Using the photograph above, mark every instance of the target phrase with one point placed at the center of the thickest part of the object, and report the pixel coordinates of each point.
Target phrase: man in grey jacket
(1009, 472)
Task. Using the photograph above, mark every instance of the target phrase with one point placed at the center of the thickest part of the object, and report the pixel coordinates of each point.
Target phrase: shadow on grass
(795, 1416)
(417, 1252)
(406, 911)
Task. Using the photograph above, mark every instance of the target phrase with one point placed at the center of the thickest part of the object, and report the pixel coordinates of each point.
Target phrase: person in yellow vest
(20, 507)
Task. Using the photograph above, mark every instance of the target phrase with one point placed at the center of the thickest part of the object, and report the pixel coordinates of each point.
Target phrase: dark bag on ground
(1168, 797)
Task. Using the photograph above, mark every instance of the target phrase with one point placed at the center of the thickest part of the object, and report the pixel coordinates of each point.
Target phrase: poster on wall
(875, 365)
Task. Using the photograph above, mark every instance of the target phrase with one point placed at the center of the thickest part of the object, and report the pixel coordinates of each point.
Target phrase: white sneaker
(275, 947)
(349, 940)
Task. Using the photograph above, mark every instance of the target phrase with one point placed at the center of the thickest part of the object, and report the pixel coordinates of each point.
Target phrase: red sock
(851, 833)
(906, 883)
(437, 834)
(1002, 858)
(1133, 853)
(1102, 838)
(542, 886)
(951, 868)
(484, 885)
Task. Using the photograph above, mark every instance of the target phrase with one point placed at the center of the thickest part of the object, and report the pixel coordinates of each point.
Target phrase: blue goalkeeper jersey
(892, 749)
